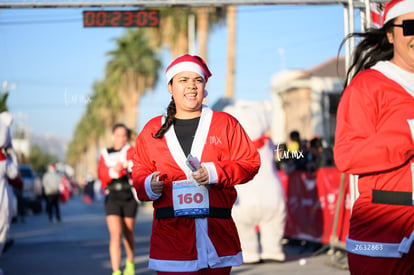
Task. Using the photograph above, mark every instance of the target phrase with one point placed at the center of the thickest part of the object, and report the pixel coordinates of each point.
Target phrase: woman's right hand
(156, 184)
(119, 166)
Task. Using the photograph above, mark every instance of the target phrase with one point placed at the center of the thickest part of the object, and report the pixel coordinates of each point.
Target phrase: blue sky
(54, 65)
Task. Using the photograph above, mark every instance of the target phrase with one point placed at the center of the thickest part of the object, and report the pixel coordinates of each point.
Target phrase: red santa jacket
(375, 140)
(221, 144)
(107, 162)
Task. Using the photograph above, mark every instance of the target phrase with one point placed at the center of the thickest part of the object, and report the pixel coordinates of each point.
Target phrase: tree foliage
(40, 159)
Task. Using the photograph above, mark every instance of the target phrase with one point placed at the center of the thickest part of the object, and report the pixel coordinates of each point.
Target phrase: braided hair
(169, 120)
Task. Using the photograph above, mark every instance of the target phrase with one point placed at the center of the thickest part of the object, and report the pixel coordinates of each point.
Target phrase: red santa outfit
(108, 160)
(110, 179)
(375, 140)
(209, 239)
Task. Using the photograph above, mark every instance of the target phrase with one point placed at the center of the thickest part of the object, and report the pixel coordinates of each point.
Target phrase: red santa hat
(395, 8)
(188, 63)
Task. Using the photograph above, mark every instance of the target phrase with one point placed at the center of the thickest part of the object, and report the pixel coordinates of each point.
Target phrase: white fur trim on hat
(403, 7)
(184, 67)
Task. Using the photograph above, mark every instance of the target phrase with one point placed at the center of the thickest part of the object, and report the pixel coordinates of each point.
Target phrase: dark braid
(169, 120)
(373, 47)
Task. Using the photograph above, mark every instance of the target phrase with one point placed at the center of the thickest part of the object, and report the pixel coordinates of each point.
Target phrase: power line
(272, 8)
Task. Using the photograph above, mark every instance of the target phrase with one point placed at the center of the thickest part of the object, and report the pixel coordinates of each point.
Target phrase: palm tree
(77, 149)
(172, 32)
(109, 107)
(202, 30)
(207, 17)
(99, 116)
(133, 68)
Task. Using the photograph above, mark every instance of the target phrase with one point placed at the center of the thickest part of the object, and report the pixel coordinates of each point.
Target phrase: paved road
(79, 246)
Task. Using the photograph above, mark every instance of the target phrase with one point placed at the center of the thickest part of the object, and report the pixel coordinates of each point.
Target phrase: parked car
(31, 187)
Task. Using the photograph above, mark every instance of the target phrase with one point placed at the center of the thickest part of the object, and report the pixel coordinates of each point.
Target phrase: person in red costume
(193, 231)
(121, 204)
(375, 141)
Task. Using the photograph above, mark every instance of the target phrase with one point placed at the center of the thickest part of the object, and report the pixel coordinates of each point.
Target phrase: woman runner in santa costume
(120, 198)
(193, 231)
(375, 140)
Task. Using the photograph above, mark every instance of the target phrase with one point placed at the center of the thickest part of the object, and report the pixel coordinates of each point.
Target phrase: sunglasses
(408, 27)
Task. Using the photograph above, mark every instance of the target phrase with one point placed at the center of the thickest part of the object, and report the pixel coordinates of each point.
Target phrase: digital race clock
(121, 18)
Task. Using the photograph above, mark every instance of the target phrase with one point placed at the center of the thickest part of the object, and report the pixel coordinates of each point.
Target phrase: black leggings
(52, 205)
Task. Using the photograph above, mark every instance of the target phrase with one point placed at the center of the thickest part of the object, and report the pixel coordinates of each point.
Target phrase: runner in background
(52, 183)
(375, 140)
(121, 205)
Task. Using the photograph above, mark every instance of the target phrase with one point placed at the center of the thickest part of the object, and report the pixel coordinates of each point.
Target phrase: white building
(307, 100)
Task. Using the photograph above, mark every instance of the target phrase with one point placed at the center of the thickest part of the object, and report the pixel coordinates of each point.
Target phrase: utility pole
(231, 49)
(191, 33)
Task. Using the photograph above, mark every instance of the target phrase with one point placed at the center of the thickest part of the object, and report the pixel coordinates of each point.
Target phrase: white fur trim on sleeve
(113, 174)
(212, 172)
(151, 195)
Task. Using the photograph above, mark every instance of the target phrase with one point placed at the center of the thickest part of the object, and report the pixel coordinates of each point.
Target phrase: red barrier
(311, 205)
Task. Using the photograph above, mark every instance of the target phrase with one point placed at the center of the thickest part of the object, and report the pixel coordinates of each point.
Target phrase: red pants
(365, 265)
(206, 271)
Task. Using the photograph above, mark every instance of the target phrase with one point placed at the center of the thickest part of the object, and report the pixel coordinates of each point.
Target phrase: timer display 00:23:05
(121, 18)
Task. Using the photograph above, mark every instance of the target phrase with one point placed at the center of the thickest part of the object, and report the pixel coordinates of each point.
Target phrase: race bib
(189, 199)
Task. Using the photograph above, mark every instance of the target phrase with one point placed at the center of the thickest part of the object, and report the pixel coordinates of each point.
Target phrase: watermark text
(287, 154)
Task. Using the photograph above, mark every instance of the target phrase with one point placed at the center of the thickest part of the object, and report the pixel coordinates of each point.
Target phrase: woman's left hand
(201, 176)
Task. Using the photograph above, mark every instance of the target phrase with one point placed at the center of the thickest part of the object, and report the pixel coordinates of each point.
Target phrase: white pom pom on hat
(188, 63)
(395, 8)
